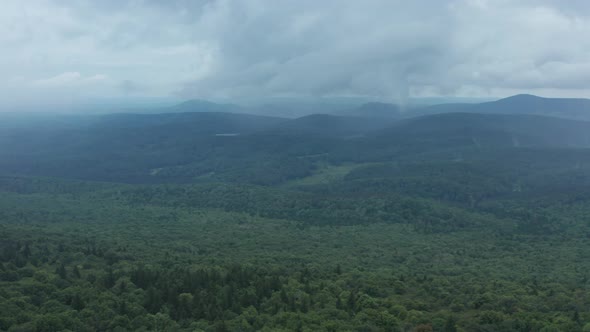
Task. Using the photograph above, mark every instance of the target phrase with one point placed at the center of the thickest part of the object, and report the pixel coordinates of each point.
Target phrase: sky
(56, 51)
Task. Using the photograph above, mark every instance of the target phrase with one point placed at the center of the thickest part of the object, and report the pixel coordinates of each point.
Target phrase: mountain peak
(376, 109)
(523, 96)
(196, 102)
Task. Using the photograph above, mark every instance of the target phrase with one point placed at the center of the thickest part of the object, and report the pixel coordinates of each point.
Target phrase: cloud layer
(223, 49)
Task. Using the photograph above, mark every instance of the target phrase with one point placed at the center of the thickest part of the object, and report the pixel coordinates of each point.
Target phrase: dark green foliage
(453, 223)
(113, 259)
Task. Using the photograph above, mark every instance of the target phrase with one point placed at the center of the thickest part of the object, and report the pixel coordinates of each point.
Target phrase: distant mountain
(376, 110)
(574, 108)
(392, 111)
(332, 125)
(443, 108)
(198, 105)
(296, 109)
(485, 130)
(203, 146)
(278, 108)
(569, 108)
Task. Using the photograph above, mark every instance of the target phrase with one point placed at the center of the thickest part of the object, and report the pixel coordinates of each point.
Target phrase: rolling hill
(376, 110)
(569, 108)
(506, 130)
(332, 125)
(574, 108)
(198, 105)
(208, 146)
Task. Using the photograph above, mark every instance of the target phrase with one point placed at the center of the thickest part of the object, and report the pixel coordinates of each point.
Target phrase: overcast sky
(224, 49)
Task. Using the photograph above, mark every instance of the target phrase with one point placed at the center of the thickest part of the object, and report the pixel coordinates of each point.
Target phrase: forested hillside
(213, 221)
(567, 108)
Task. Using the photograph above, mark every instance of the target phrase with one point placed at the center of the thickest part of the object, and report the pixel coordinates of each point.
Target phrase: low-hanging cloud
(69, 79)
(220, 49)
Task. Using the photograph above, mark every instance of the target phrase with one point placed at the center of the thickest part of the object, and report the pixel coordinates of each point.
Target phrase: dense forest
(233, 222)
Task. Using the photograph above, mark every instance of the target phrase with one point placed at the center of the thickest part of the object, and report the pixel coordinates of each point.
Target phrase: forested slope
(231, 222)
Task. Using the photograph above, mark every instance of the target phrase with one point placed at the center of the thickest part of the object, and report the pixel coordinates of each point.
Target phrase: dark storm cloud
(260, 48)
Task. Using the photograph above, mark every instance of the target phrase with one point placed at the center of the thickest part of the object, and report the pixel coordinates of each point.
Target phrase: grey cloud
(262, 48)
(357, 48)
(384, 48)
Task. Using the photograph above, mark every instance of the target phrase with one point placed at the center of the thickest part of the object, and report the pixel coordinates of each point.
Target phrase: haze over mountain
(196, 105)
(489, 130)
(571, 108)
(574, 108)
(189, 145)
